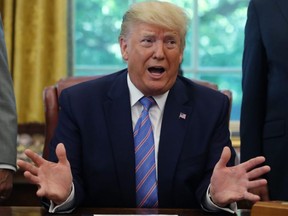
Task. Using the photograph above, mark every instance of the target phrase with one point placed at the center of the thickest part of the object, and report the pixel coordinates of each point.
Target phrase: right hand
(54, 180)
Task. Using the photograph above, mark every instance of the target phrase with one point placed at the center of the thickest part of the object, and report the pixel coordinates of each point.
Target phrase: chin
(157, 91)
(154, 88)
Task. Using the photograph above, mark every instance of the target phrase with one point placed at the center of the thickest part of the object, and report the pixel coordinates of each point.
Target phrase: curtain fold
(36, 39)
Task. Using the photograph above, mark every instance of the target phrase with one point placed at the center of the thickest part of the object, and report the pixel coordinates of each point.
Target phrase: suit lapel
(174, 127)
(118, 115)
(283, 7)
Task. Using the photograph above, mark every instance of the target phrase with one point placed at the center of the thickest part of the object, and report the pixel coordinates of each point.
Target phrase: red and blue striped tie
(146, 183)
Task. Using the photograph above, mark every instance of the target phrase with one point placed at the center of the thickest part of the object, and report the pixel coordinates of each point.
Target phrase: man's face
(153, 55)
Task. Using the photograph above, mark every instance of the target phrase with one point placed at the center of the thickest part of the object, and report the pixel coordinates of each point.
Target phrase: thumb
(225, 157)
(61, 153)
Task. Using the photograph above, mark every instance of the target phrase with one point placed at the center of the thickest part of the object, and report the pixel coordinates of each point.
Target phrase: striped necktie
(146, 184)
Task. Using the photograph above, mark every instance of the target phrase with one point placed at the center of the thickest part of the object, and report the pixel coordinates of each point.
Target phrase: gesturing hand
(232, 184)
(54, 180)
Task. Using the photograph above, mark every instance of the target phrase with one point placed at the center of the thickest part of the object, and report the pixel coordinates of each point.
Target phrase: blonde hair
(163, 14)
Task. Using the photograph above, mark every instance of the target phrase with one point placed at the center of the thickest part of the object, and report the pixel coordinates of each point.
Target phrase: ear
(181, 58)
(124, 46)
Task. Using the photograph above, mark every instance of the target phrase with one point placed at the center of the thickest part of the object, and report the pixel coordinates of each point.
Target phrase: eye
(171, 43)
(146, 42)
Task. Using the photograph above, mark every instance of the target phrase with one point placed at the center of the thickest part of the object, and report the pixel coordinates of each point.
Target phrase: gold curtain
(36, 39)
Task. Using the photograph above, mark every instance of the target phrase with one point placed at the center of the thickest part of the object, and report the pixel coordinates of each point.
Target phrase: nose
(159, 51)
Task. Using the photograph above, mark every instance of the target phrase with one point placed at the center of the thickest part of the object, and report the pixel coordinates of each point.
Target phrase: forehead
(145, 29)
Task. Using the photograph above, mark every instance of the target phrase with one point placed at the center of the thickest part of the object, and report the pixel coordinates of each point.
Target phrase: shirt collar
(135, 95)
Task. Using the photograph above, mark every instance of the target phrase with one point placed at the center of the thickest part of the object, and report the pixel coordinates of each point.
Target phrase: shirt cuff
(210, 206)
(9, 167)
(65, 207)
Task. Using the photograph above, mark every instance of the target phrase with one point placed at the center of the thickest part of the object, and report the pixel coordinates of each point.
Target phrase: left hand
(6, 183)
(232, 184)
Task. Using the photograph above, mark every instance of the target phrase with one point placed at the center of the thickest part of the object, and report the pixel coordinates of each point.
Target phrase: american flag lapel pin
(182, 115)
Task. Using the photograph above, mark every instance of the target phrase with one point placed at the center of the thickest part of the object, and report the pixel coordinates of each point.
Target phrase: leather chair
(51, 106)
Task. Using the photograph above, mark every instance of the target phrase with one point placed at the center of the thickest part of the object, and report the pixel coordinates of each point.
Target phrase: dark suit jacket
(264, 116)
(96, 127)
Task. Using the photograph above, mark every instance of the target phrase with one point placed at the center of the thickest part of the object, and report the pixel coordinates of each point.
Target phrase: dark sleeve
(254, 84)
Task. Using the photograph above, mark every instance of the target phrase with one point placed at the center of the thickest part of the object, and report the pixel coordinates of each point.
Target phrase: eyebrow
(166, 34)
(148, 34)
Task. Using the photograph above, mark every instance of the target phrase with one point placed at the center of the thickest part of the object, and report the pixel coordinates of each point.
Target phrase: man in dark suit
(189, 124)
(8, 123)
(264, 114)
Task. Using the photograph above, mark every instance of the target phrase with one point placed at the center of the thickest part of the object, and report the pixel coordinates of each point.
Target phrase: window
(214, 42)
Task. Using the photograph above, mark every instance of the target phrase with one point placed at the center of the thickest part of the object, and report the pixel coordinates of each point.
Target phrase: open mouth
(158, 70)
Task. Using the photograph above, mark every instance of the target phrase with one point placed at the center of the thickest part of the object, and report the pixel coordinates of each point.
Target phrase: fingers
(32, 178)
(61, 153)
(256, 183)
(251, 197)
(40, 192)
(225, 157)
(26, 166)
(258, 172)
(35, 180)
(30, 171)
(250, 164)
(38, 160)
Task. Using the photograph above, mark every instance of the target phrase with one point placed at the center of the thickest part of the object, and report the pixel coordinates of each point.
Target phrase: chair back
(51, 105)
